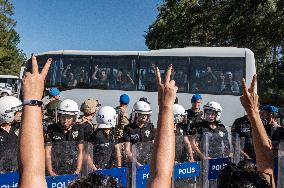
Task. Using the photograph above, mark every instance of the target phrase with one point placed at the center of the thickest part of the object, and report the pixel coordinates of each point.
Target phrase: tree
(11, 58)
(257, 25)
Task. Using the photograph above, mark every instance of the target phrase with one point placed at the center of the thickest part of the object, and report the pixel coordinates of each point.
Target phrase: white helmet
(142, 107)
(178, 111)
(70, 107)
(106, 117)
(8, 106)
(214, 106)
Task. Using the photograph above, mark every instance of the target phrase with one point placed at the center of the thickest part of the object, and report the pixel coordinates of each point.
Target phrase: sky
(45, 25)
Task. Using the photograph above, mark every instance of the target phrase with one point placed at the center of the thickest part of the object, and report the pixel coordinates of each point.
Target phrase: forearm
(262, 146)
(49, 165)
(80, 159)
(117, 155)
(262, 143)
(91, 165)
(31, 143)
(162, 162)
(196, 149)
(188, 149)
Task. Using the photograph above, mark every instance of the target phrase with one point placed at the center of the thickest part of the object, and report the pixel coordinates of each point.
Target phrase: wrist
(253, 112)
(165, 107)
(32, 102)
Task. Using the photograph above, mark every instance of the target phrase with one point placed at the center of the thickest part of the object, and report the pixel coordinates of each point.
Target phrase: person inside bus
(69, 77)
(228, 86)
(100, 78)
(83, 78)
(181, 80)
(124, 80)
(149, 79)
(208, 81)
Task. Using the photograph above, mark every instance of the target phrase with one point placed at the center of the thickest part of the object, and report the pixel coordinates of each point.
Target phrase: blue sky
(45, 25)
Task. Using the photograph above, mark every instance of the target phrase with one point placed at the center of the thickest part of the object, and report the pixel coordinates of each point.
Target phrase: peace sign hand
(166, 89)
(249, 99)
(33, 83)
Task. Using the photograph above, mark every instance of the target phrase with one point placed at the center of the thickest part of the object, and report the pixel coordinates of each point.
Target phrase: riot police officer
(9, 131)
(103, 139)
(212, 131)
(65, 157)
(183, 147)
(140, 129)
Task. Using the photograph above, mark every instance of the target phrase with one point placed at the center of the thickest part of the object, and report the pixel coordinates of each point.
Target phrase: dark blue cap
(54, 91)
(195, 98)
(124, 99)
(270, 108)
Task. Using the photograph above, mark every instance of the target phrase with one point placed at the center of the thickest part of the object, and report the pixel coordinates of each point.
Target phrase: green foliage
(257, 25)
(11, 58)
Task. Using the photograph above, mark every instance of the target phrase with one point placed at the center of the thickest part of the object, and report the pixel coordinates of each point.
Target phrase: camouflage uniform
(121, 123)
(88, 107)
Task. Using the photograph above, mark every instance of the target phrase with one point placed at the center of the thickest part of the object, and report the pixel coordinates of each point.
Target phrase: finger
(34, 64)
(245, 91)
(176, 88)
(158, 76)
(27, 74)
(172, 82)
(253, 84)
(46, 67)
(168, 74)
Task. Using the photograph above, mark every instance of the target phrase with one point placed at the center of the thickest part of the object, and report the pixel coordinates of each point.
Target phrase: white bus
(214, 72)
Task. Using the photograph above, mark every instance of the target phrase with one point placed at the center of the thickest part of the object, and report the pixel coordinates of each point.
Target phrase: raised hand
(166, 89)
(249, 99)
(33, 83)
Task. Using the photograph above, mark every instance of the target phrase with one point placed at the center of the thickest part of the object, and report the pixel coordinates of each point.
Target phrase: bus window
(75, 71)
(113, 72)
(147, 80)
(217, 75)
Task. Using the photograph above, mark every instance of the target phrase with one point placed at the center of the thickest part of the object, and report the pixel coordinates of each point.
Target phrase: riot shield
(140, 165)
(63, 157)
(186, 170)
(8, 160)
(106, 159)
(217, 151)
(242, 148)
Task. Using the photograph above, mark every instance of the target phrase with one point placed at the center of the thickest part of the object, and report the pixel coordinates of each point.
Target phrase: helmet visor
(210, 115)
